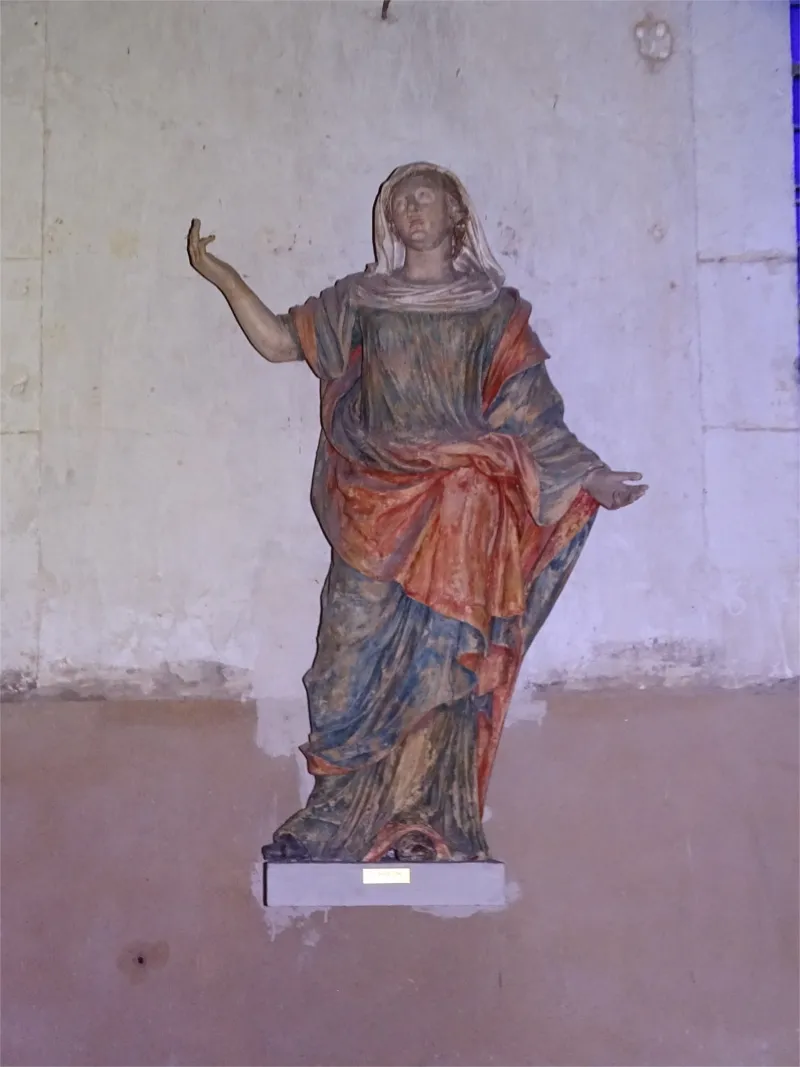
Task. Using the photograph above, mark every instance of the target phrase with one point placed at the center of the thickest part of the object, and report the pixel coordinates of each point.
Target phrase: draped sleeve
(326, 329)
(528, 406)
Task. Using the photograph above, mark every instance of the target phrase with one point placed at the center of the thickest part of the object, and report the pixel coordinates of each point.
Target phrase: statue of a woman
(456, 503)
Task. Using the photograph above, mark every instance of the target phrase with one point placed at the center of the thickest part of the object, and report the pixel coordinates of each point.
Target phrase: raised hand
(212, 269)
(270, 337)
(610, 488)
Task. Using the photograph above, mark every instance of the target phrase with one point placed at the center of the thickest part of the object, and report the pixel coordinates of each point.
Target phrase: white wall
(156, 524)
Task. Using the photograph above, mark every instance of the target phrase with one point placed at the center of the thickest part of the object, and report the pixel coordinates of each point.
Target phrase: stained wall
(651, 847)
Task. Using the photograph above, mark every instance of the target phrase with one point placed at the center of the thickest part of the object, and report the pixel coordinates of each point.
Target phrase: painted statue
(456, 503)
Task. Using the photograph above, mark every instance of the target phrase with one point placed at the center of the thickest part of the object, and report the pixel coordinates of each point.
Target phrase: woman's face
(421, 214)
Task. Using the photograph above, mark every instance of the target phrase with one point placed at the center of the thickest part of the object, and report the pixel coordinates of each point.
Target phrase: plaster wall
(157, 535)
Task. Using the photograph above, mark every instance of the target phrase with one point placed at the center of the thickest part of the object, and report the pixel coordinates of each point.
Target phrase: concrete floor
(652, 837)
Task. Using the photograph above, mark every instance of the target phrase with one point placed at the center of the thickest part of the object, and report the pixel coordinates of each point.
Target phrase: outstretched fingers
(196, 244)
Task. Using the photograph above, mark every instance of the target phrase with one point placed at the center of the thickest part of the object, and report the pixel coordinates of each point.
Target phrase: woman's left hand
(610, 488)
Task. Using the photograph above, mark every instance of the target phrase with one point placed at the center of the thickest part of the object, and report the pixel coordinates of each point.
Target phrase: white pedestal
(356, 885)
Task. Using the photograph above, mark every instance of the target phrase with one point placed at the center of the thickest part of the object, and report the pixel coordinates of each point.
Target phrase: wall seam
(39, 609)
(697, 271)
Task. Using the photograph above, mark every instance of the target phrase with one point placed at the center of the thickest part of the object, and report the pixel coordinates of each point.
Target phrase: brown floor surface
(653, 837)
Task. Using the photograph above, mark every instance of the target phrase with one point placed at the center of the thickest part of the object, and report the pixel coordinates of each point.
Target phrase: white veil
(480, 275)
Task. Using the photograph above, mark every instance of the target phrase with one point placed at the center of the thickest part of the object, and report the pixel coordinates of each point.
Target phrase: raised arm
(270, 337)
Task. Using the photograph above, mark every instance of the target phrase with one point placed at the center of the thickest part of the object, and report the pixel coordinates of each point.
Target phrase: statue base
(481, 884)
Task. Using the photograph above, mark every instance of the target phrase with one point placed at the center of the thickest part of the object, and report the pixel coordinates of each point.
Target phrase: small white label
(386, 876)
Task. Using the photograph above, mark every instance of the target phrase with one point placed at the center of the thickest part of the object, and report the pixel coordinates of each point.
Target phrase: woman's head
(425, 208)
(421, 205)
